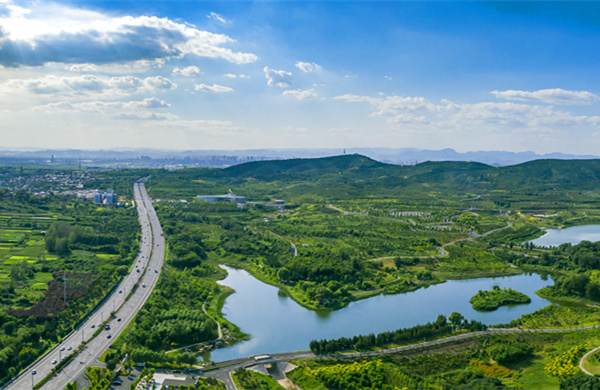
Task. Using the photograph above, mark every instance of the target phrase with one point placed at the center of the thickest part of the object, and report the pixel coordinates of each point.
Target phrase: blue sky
(243, 75)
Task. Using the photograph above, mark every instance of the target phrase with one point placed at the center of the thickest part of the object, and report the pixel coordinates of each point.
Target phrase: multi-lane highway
(144, 273)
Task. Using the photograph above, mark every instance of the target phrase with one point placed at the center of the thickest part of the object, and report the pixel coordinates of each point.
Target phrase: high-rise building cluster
(108, 198)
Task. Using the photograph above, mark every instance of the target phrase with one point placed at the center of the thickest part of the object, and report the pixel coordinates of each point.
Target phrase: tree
(456, 318)
(398, 262)
(283, 274)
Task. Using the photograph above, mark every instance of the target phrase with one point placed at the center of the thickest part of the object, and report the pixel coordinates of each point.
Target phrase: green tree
(398, 262)
(456, 318)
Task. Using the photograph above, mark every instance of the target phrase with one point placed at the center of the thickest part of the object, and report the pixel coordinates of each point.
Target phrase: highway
(149, 263)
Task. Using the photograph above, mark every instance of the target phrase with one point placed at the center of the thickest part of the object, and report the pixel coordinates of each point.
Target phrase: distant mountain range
(224, 158)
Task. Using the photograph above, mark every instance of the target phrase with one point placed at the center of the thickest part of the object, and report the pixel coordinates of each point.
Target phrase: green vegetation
(42, 241)
(250, 380)
(583, 382)
(493, 299)
(533, 361)
(359, 228)
(183, 310)
(505, 353)
(100, 378)
(435, 371)
(592, 363)
(558, 317)
(419, 332)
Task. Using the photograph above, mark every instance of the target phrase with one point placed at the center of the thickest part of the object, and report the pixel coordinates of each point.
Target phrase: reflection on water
(278, 324)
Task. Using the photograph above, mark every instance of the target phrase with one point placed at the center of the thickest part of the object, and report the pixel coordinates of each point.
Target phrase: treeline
(364, 342)
(579, 285)
(146, 355)
(61, 238)
(584, 256)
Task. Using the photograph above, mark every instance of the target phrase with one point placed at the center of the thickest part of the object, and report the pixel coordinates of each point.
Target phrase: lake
(278, 324)
(573, 235)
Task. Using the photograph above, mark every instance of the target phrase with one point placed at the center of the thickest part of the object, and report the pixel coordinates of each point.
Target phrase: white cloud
(85, 85)
(100, 106)
(388, 78)
(53, 33)
(236, 76)
(190, 71)
(552, 96)
(218, 18)
(83, 68)
(484, 115)
(215, 88)
(145, 116)
(307, 67)
(300, 94)
(279, 78)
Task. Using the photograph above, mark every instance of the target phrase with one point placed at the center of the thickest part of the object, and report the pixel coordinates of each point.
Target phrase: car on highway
(54, 361)
(143, 285)
(69, 348)
(119, 319)
(155, 271)
(93, 326)
(120, 291)
(109, 336)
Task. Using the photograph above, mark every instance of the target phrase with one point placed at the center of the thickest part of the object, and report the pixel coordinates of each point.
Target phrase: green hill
(304, 167)
(535, 184)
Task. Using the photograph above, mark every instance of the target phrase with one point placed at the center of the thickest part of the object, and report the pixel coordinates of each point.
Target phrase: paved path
(583, 358)
(222, 370)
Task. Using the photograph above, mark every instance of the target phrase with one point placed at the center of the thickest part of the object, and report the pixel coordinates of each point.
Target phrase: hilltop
(305, 167)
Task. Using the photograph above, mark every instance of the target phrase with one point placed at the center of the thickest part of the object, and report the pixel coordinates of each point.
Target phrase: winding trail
(220, 331)
(412, 224)
(583, 358)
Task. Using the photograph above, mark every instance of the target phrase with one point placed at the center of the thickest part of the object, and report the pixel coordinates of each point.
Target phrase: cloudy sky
(241, 75)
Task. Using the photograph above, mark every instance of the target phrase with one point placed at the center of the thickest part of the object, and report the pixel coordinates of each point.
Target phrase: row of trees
(364, 342)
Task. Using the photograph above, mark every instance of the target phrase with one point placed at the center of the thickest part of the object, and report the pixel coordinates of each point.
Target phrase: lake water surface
(278, 324)
(573, 235)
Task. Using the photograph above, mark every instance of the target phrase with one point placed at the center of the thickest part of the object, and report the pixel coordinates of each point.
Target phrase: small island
(493, 299)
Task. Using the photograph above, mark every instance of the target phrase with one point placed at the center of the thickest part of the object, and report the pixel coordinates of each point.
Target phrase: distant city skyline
(200, 75)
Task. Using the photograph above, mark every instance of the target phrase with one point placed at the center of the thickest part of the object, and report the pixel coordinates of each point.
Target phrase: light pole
(33, 372)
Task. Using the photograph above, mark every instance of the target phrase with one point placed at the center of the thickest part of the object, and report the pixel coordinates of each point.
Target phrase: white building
(222, 198)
